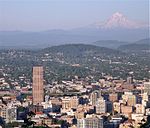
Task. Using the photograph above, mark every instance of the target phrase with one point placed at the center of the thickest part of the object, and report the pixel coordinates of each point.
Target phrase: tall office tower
(93, 97)
(126, 95)
(147, 87)
(100, 106)
(90, 122)
(132, 100)
(37, 88)
(145, 97)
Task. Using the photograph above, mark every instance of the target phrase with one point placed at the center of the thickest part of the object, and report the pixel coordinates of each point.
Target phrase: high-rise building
(126, 96)
(132, 100)
(37, 88)
(117, 107)
(147, 87)
(11, 114)
(129, 98)
(93, 97)
(100, 106)
(145, 97)
(90, 122)
(140, 109)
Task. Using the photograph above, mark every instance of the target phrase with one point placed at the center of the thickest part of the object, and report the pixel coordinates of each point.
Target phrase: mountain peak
(117, 14)
(118, 20)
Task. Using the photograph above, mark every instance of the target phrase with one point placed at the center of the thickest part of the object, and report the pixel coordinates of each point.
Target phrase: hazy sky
(36, 15)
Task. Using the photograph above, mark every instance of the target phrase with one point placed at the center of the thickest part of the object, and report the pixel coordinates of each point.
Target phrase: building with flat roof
(101, 106)
(90, 122)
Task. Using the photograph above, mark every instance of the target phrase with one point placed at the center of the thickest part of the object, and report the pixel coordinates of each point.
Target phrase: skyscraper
(147, 87)
(94, 96)
(37, 88)
(100, 106)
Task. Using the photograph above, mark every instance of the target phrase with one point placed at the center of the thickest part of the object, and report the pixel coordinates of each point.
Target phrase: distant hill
(113, 44)
(143, 41)
(63, 62)
(138, 46)
(79, 53)
(49, 38)
(79, 50)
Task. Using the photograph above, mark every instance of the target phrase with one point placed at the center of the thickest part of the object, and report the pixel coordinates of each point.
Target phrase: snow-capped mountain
(117, 27)
(118, 20)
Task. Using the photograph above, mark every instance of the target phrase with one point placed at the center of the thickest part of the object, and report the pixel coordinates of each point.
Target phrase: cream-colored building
(68, 103)
(117, 107)
(126, 110)
(100, 106)
(140, 109)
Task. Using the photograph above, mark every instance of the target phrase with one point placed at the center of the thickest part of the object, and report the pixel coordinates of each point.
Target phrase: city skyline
(74, 64)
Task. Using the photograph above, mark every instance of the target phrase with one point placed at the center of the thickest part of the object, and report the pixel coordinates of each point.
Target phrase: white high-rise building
(100, 106)
(11, 114)
(94, 96)
(90, 122)
(147, 87)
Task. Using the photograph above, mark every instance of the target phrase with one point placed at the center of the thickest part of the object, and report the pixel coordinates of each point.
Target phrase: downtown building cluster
(80, 103)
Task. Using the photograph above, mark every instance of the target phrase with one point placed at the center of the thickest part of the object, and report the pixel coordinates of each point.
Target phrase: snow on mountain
(118, 20)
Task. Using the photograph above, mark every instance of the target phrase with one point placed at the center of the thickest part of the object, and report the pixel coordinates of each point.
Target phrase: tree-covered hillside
(67, 61)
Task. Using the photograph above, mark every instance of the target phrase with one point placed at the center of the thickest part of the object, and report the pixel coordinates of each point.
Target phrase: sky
(37, 15)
